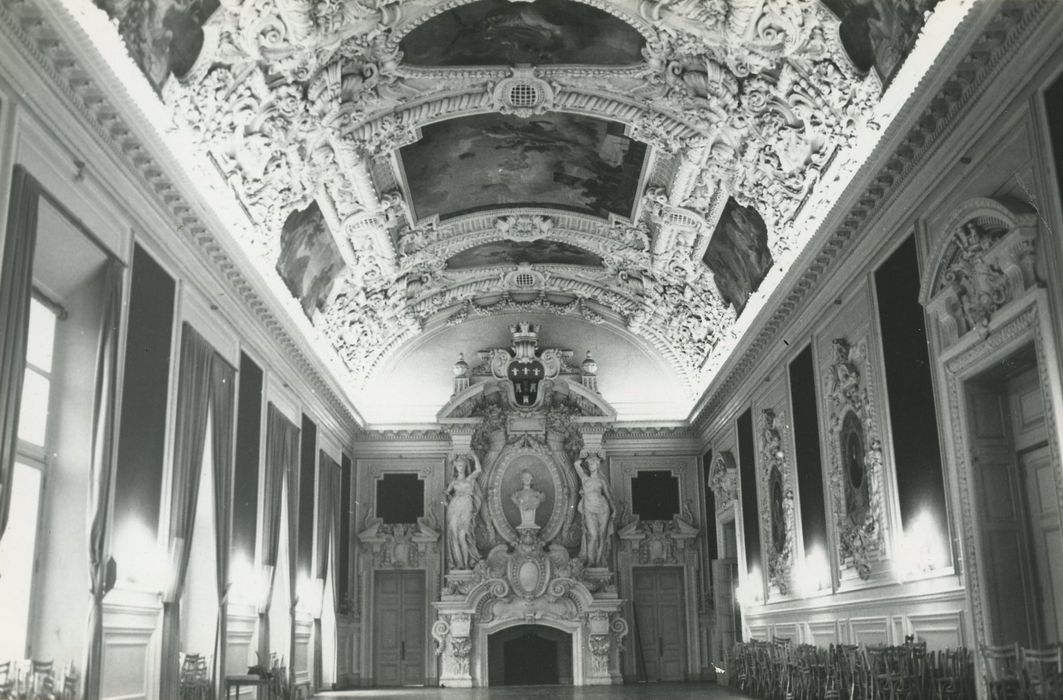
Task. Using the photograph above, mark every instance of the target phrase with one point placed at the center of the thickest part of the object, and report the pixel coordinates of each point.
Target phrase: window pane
(33, 415)
(41, 341)
(16, 560)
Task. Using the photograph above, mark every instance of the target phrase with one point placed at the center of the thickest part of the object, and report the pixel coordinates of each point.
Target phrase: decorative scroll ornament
(661, 542)
(723, 479)
(777, 505)
(988, 259)
(295, 102)
(856, 473)
(399, 545)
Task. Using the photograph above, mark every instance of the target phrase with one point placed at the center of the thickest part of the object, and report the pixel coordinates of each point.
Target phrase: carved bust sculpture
(527, 500)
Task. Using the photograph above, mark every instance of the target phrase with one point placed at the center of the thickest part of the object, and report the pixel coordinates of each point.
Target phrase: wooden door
(724, 575)
(1046, 540)
(662, 624)
(1006, 565)
(399, 628)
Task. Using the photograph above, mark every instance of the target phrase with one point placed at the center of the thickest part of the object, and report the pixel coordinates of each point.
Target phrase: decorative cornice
(983, 61)
(26, 26)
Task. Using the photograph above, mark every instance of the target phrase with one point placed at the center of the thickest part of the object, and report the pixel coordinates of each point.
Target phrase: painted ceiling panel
(538, 252)
(309, 261)
(559, 160)
(499, 32)
(738, 253)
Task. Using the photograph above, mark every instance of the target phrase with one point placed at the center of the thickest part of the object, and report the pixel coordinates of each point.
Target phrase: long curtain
(223, 398)
(193, 402)
(16, 285)
(101, 473)
(326, 486)
(282, 455)
(293, 473)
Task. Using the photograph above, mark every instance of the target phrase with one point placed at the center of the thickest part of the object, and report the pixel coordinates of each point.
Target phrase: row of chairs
(1019, 673)
(33, 679)
(780, 670)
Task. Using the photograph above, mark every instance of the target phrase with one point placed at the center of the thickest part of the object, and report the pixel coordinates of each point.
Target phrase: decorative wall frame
(1013, 326)
(986, 258)
(776, 499)
(852, 424)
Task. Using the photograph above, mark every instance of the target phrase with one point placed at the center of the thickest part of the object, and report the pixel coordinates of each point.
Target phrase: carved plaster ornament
(296, 102)
(777, 508)
(855, 450)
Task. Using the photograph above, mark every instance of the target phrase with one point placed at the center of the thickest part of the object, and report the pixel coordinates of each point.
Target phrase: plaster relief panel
(773, 436)
(853, 444)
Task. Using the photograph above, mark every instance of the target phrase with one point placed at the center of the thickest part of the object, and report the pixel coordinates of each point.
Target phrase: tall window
(19, 546)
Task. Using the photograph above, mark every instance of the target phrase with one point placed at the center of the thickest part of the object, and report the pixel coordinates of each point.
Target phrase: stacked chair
(33, 679)
(1014, 673)
(779, 670)
(195, 677)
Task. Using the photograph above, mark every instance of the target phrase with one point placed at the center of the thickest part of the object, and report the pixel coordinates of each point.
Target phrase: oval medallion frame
(510, 458)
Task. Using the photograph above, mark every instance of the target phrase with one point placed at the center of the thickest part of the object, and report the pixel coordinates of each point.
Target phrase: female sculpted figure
(462, 499)
(596, 507)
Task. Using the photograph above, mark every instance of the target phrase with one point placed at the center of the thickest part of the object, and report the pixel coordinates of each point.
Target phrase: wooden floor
(661, 691)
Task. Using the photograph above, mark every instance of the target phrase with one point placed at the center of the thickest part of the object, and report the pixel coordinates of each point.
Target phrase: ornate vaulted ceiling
(410, 167)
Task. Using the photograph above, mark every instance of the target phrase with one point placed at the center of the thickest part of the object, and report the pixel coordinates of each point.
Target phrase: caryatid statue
(527, 501)
(597, 510)
(462, 498)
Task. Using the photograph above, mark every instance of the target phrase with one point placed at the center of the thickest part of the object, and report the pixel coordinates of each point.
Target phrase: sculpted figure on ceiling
(688, 104)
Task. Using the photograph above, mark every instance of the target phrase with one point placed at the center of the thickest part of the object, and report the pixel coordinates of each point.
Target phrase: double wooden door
(399, 628)
(661, 622)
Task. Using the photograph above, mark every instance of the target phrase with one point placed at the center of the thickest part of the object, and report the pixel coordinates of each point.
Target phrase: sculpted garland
(296, 102)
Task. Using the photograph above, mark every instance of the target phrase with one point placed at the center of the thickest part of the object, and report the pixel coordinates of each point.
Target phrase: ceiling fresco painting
(496, 160)
(537, 252)
(410, 166)
(309, 261)
(879, 33)
(499, 32)
(738, 254)
(162, 36)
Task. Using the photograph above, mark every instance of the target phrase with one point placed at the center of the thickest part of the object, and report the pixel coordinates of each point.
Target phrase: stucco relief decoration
(987, 260)
(538, 544)
(856, 471)
(661, 542)
(777, 500)
(299, 103)
(399, 545)
(723, 479)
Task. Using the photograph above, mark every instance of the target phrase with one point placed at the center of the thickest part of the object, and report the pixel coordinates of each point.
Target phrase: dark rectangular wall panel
(245, 477)
(307, 492)
(145, 388)
(748, 477)
(807, 450)
(920, 482)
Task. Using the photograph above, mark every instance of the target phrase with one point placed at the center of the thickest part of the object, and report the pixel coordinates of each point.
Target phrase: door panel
(1040, 479)
(399, 628)
(661, 621)
(1008, 571)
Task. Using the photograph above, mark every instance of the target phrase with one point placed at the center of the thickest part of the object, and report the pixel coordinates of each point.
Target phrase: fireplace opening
(529, 655)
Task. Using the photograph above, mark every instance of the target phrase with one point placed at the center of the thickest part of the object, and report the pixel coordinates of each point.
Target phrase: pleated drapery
(101, 474)
(282, 455)
(293, 480)
(16, 287)
(223, 420)
(196, 395)
(327, 487)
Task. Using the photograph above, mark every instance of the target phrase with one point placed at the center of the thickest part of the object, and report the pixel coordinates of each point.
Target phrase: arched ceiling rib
(676, 164)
